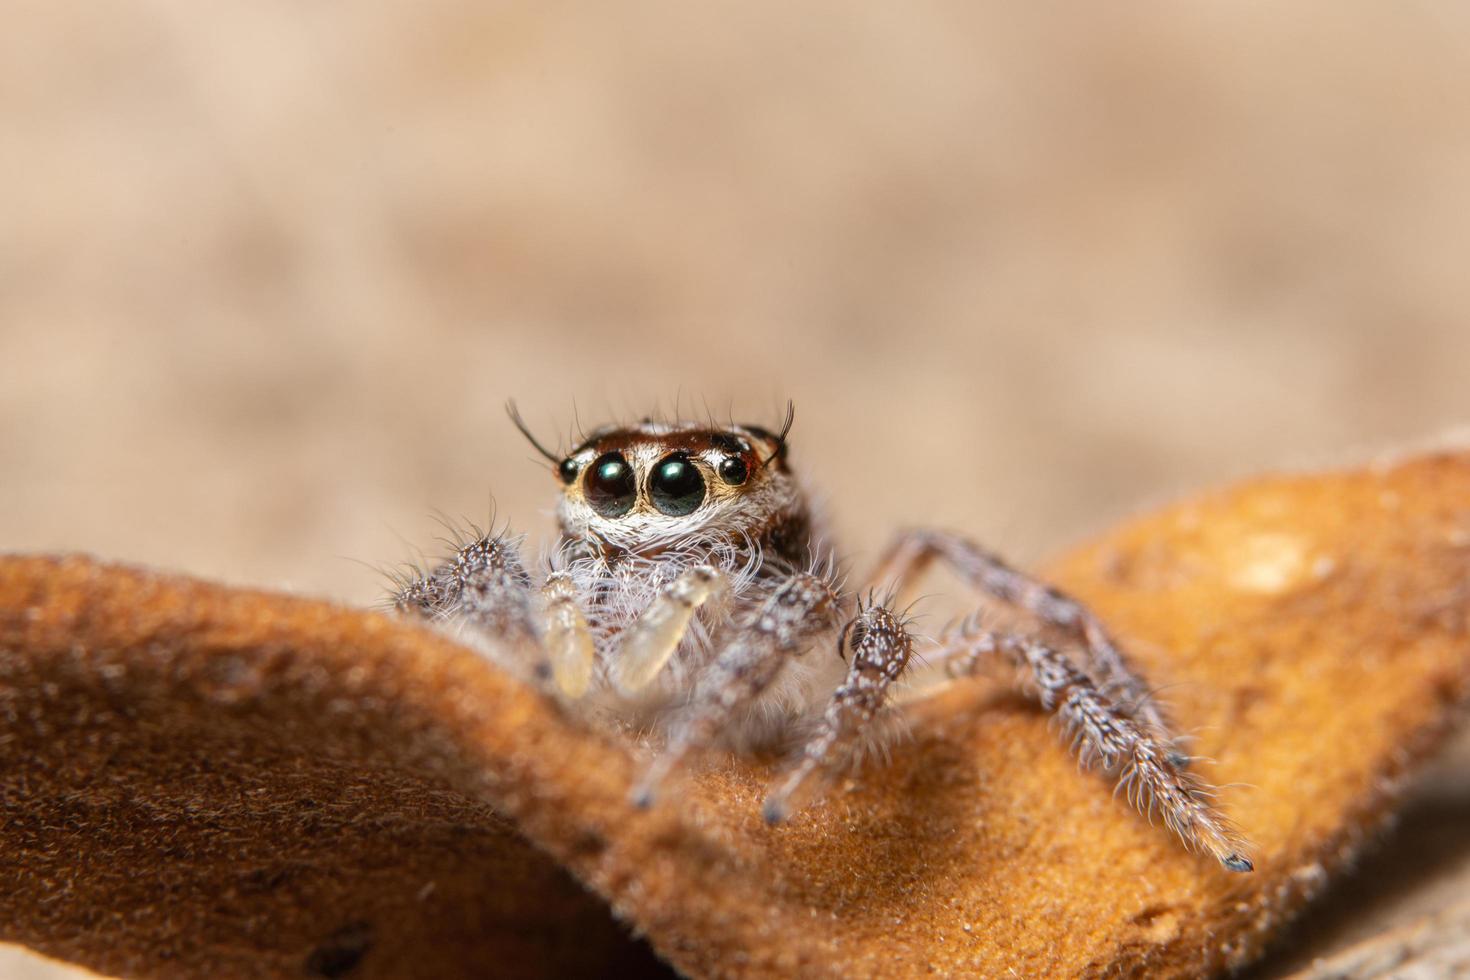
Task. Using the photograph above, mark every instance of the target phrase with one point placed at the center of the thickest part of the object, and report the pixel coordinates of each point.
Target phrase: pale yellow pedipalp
(568, 640)
(653, 638)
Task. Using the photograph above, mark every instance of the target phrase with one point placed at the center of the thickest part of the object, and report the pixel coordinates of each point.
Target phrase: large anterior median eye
(610, 487)
(676, 486)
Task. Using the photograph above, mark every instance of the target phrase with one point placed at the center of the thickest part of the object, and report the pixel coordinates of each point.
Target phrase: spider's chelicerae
(690, 594)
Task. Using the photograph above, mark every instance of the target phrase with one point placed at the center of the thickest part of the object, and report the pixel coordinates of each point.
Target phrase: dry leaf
(204, 781)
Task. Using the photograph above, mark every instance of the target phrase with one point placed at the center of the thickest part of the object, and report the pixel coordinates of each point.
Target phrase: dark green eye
(676, 486)
(610, 487)
(733, 470)
(568, 470)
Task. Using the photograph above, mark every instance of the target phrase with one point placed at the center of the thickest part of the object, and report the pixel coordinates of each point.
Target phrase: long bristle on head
(778, 437)
(520, 423)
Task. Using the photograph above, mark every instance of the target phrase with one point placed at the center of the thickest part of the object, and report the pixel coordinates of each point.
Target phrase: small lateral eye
(732, 470)
(676, 486)
(568, 470)
(610, 487)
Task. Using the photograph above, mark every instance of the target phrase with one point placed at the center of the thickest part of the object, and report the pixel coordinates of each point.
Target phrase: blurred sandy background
(269, 270)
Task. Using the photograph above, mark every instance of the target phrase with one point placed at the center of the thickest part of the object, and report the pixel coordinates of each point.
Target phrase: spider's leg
(652, 639)
(798, 609)
(877, 649)
(913, 550)
(1108, 736)
(484, 585)
(569, 650)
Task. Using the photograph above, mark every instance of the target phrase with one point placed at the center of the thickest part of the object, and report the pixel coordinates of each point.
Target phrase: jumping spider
(688, 595)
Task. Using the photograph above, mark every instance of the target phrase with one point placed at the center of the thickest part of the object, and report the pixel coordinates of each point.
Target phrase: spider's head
(654, 485)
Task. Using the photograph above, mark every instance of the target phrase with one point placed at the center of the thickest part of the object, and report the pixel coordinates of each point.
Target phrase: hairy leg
(1103, 734)
(483, 584)
(912, 552)
(877, 648)
(799, 609)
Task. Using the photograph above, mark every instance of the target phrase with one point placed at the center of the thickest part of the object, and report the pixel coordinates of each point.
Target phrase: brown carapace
(691, 594)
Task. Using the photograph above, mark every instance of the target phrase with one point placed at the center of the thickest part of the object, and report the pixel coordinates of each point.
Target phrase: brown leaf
(202, 781)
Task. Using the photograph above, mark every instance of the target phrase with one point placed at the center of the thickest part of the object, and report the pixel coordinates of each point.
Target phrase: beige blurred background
(269, 269)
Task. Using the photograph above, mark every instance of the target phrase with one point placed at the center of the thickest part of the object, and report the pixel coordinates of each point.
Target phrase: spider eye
(733, 470)
(610, 487)
(568, 470)
(676, 486)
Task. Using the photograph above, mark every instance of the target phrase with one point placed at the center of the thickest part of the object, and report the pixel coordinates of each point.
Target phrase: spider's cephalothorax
(656, 486)
(690, 594)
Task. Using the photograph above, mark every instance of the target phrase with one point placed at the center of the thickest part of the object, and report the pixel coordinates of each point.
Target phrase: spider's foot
(799, 787)
(646, 790)
(1237, 862)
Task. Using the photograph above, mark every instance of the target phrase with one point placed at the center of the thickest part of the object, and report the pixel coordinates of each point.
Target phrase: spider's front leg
(484, 585)
(912, 552)
(799, 608)
(1107, 735)
(877, 648)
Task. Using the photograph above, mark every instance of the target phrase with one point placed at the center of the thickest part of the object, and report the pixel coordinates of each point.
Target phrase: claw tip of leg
(1237, 862)
(643, 797)
(773, 812)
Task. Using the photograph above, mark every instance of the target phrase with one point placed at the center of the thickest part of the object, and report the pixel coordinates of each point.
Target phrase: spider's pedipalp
(569, 651)
(799, 608)
(877, 648)
(655, 635)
